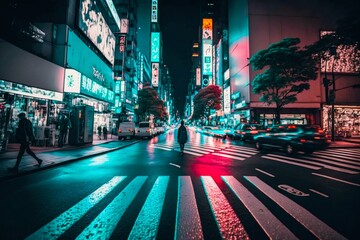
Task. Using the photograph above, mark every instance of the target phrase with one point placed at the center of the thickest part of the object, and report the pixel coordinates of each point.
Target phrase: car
(214, 131)
(293, 138)
(126, 129)
(145, 130)
(247, 131)
(229, 132)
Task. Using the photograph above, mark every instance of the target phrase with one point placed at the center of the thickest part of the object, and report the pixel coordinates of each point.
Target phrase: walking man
(182, 136)
(25, 136)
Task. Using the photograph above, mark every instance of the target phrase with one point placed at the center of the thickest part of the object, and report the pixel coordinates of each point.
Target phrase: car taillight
(243, 132)
(148, 130)
(119, 131)
(302, 140)
(254, 132)
(320, 131)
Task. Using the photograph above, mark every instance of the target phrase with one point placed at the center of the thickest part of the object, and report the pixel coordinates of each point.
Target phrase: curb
(24, 173)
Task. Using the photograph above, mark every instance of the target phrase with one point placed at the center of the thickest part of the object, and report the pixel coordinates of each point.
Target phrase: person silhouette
(25, 135)
(182, 136)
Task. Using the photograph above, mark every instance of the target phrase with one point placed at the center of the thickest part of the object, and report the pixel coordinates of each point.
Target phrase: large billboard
(93, 24)
(155, 47)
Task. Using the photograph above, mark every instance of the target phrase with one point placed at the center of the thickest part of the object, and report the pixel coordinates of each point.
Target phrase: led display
(155, 74)
(226, 100)
(93, 24)
(154, 11)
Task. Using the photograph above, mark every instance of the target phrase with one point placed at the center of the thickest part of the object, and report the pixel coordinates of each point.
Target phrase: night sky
(179, 23)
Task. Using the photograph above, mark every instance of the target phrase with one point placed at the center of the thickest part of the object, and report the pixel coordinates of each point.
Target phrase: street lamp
(332, 99)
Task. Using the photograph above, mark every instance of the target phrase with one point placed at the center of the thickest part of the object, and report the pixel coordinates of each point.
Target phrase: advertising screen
(226, 101)
(155, 74)
(93, 24)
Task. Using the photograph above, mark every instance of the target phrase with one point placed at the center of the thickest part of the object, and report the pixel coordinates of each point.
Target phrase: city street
(216, 189)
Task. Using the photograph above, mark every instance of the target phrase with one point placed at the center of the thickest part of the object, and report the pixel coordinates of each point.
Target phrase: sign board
(155, 74)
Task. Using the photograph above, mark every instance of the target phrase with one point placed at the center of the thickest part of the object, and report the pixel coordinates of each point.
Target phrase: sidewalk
(53, 156)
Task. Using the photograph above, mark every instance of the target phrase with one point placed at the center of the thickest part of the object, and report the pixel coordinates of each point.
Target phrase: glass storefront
(346, 120)
(269, 119)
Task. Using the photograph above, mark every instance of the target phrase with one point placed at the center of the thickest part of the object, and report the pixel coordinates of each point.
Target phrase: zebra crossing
(340, 160)
(224, 150)
(188, 218)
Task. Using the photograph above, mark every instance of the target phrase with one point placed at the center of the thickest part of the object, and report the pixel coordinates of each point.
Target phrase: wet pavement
(53, 156)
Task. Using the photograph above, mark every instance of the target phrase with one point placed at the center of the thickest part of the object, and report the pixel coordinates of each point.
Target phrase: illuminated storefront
(346, 120)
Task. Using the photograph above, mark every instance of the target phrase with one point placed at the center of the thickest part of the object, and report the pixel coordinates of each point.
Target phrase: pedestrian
(99, 132)
(64, 126)
(105, 132)
(182, 136)
(24, 135)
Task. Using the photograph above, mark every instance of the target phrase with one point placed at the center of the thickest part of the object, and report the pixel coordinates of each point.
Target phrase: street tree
(149, 103)
(288, 70)
(207, 99)
(158, 110)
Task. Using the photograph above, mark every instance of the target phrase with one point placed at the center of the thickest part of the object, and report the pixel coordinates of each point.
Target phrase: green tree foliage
(149, 103)
(288, 72)
(207, 98)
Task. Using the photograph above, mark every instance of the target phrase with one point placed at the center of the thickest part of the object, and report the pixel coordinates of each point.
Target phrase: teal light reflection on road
(147, 223)
(59, 225)
(99, 160)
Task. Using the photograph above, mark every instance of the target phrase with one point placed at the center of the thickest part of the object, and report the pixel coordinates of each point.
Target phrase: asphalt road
(217, 189)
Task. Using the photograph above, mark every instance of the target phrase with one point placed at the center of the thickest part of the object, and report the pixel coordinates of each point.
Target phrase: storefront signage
(227, 108)
(235, 95)
(29, 91)
(124, 26)
(122, 42)
(154, 11)
(155, 47)
(198, 76)
(155, 74)
(81, 58)
(95, 90)
(72, 81)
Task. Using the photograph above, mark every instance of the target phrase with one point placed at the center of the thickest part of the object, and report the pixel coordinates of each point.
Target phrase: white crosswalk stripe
(336, 160)
(227, 151)
(188, 217)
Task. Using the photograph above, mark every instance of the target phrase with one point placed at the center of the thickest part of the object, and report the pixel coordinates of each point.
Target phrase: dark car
(247, 131)
(293, 138)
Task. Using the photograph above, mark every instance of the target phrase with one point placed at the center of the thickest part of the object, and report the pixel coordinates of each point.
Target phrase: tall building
(56, 60)
(253, 26)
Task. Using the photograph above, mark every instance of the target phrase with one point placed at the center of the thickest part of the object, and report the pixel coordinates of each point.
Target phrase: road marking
(236, 153)
(303, 216)
(313, 162)
(336, 179)
(188, 224)
(229, 224)
(292, 163)
(343, 156)
(252, 150)
(273, 228)
(63, 222)
(191, 153)
(293, 190)
(104, 224)
(317, 192)
(163, 148)
(229, 156)
(175, 165)
(148, 220)
(257, 169)
(333, 162)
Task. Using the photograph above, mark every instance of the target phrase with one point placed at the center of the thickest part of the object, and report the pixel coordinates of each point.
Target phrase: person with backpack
(24, 135)
(182, 136)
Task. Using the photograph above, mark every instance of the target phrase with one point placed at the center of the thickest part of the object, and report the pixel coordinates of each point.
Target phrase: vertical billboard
(93, 24)
(155, 47)
(207, 51)
(198, 77)
(124, 27)
(155, 74)
(154, 11)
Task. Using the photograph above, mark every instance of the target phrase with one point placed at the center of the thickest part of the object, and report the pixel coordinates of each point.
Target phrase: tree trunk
(277, 114)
